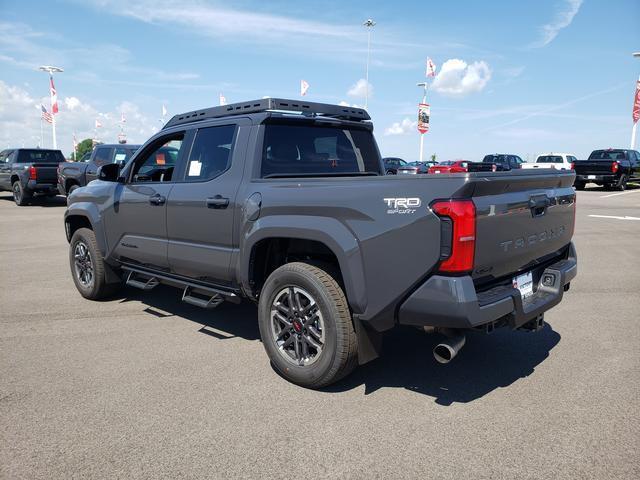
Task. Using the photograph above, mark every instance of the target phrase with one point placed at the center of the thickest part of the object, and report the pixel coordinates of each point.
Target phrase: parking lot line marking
(621, 193)
(616, 217)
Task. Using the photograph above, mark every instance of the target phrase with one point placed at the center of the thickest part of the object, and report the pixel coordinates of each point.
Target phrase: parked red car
(455, 166)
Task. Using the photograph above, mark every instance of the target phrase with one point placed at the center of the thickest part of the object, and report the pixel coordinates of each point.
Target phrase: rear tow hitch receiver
(534, 325)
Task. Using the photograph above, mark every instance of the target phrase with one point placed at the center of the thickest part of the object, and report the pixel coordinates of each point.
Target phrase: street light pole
(424, 100)
(51, 69)
(369, 24)
(635, 124)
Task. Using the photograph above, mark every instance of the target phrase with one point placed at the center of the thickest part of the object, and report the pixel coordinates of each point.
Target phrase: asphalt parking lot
(144, 386)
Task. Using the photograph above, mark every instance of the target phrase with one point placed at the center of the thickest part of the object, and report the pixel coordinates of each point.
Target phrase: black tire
(621, 186)
(72, 188)
(579, 185)
(338, 355)
(96, 287)
(20, 195)
(390, 172)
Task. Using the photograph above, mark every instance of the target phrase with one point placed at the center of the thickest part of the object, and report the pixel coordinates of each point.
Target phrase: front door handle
(157, 199)
(217, 202)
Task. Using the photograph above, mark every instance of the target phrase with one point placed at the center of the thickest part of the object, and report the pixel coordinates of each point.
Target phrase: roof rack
(270, 104)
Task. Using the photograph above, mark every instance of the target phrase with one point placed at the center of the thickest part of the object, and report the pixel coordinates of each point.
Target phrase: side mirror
(109, 172)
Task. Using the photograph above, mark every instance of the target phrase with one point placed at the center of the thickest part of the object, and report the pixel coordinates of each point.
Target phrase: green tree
(433, 157)
(84, 146)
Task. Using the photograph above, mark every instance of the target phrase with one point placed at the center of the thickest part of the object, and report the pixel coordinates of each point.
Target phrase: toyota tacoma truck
(285, 203)
(610, 168)
(28, 172)
(72, 175)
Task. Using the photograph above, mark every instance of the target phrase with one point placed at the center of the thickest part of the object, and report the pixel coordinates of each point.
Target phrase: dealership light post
(635, 99)
(369, 24)
(424, 100)
(51, 70)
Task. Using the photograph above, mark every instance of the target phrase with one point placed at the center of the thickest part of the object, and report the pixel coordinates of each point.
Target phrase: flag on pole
(98, 124)
(431, 68)
(636, 104)
(54, 96)
(164, 110)
(424, 112)
(304, 86)
(46, 116)
(122, 118)
(223, 99)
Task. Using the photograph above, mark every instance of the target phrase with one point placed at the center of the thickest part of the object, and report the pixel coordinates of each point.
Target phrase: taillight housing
(462, 216)
(614, 167)
(32, 173)
(573, 165)
(494, 167)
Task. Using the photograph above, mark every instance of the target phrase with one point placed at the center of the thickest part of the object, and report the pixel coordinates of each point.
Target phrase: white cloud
(562, 20)
(458, 79)
(359, 89)
(20, 120)
(401, 128)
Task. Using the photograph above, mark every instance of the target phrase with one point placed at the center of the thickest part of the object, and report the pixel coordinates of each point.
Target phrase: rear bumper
(598, 178)
(453, 302)
(34, 186)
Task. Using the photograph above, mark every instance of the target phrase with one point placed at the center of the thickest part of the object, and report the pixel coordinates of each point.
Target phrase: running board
(202, 300)
(141, 281)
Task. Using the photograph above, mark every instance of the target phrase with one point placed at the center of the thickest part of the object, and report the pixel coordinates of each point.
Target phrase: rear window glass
(495, 159)
(291, 150)
(40, 156)
(607, 155)
(549, 159)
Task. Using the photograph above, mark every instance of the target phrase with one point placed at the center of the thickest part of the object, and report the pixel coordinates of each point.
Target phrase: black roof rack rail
(265, 104)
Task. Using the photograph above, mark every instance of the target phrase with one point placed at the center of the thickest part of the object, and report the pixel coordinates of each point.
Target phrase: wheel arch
(80, 215)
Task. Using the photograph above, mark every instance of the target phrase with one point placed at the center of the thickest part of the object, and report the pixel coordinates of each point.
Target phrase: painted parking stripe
(615, 217)
(621, 193)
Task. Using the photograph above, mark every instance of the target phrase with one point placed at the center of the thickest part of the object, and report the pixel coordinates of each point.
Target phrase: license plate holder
(524, 283)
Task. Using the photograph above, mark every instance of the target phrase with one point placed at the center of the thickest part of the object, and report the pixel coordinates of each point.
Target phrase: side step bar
(203, 296)
(142, 282)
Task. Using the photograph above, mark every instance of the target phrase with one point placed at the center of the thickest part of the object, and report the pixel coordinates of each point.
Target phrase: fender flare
(90, 212)
(341, 241)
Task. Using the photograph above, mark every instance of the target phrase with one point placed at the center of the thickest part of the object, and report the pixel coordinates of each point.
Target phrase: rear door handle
(217, 202)
(157, 199)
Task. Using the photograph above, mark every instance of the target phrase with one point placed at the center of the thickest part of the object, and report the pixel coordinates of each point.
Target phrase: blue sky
(522, 77)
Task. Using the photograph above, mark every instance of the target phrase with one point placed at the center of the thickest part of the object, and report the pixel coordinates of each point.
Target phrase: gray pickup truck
(28, 172)
(286, 203)
(72, 175)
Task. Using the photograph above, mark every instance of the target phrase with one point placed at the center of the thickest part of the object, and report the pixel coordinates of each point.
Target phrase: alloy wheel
(83, 264)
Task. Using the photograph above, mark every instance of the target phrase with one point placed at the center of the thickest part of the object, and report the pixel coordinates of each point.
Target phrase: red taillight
(494, 167)
(614, 167)
(573, 165)
(32, 173)
(463, 242)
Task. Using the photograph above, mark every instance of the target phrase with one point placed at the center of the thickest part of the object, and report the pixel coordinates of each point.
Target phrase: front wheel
(305, 325)
(87, 266)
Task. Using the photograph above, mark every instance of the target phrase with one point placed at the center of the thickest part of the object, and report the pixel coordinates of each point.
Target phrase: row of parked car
(28, 172)
(611, 168)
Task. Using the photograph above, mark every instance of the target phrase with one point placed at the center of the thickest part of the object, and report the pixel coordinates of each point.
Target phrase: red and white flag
(98, 124)
(304, 86)
(46, 116)
(222, 99)
(54, 97)
(431, 68)
(636, 104)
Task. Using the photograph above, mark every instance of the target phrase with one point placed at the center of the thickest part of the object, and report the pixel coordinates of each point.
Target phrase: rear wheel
(622, 183)
(390, 172)
(305, 325)
(87, 266)
(20, 195)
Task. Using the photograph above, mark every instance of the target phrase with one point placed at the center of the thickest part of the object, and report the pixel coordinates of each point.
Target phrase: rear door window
(211, 152)
(292, 150)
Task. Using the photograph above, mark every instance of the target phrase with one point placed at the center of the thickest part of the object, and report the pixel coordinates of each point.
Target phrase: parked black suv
(392, 164)
(503, 161)
(286, 203)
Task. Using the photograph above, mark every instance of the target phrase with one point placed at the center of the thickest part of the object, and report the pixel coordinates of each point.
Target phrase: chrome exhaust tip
(447, 350)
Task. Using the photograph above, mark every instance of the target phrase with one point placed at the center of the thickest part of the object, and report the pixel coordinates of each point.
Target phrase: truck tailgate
(521, 221)
(594, 167)
(46, 172)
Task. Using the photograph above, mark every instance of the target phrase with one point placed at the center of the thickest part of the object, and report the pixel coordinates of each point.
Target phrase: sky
(523, 77)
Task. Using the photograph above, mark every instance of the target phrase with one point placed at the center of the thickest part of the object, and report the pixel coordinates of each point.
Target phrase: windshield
(40, 156)
(549, 159)
(292, 150)
(123, 154)
(607, 155)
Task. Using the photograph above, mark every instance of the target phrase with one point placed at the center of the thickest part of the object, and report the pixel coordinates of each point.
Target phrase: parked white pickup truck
(559, 161)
